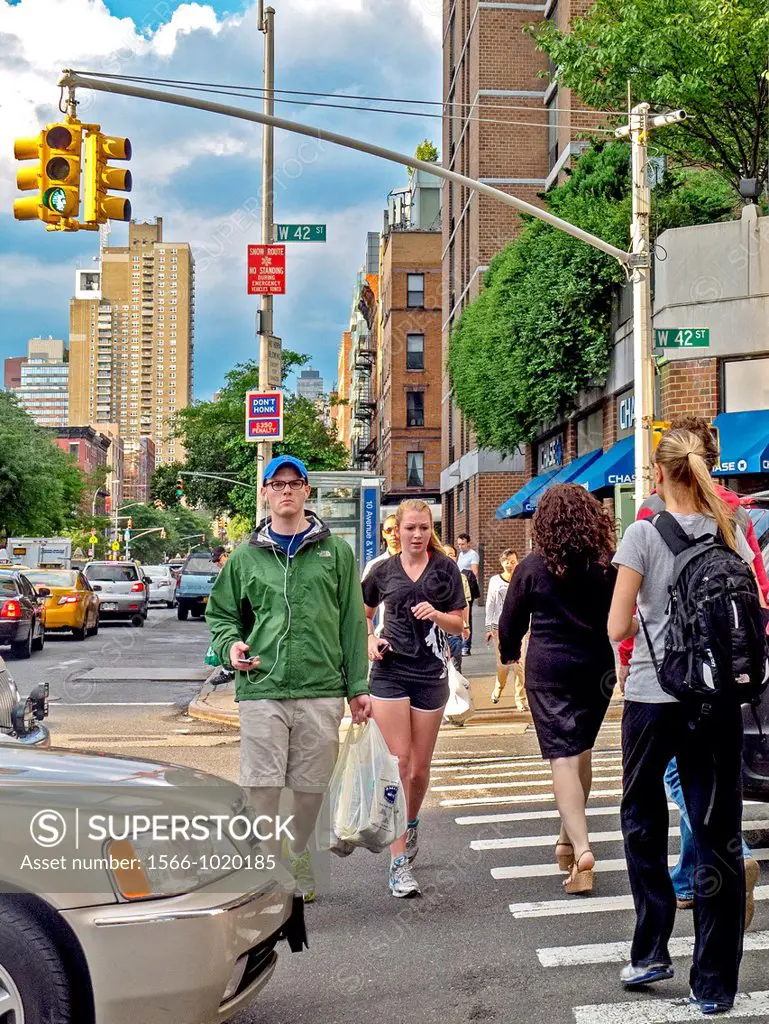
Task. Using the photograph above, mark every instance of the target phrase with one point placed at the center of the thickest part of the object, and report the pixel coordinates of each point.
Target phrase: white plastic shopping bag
(460, 706)
(365, 804)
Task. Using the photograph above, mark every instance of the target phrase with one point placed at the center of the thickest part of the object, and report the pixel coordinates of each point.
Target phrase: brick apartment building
(390, 360)
(492, 70)
(505, 125)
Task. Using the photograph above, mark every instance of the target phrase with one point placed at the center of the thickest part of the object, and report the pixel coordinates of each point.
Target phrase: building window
(415, 351)
(552, 133)
(746, 385)
(415, 469)
(590, 432)
(416, 291)
(74, 448)
(415, 409)
(460, 498)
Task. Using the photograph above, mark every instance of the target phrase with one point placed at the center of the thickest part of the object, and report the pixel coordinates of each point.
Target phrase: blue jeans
(682, 875)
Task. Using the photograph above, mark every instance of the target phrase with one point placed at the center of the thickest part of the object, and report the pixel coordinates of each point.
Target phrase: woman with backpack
(660, 563)
(561, 592)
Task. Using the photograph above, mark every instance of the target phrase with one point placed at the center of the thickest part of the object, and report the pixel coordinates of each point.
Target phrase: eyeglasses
(281, 485)
(388, 529)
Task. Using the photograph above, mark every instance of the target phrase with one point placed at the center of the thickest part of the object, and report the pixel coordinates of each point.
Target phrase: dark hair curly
(572, 530)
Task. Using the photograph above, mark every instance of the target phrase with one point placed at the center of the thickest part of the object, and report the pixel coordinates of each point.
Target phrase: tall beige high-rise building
(131, 345)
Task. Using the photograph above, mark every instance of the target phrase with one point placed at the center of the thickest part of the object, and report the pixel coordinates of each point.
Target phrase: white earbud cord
(289, 557)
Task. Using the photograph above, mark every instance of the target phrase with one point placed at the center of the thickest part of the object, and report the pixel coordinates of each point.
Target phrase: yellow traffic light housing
(659, 427)
(98, 205)
(55, 177)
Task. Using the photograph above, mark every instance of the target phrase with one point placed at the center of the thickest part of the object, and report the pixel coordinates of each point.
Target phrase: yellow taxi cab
(72, 604)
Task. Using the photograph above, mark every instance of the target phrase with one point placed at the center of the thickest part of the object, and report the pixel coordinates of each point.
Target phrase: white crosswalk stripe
(591, 905)
(520, 798)
(511, 785)
(602, 866)
(619, 952)
(525, 842)
(496, 819)
(668, 1011)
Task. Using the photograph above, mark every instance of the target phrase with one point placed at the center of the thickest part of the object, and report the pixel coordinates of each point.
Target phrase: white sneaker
(403, 885)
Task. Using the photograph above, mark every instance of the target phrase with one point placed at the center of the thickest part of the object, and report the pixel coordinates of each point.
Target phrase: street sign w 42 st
(300, 232)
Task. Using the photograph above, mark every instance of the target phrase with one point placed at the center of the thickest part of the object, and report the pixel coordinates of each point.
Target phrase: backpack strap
(673, 534)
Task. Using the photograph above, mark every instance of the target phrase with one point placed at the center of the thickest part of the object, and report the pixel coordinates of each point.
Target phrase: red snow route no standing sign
(266, 270)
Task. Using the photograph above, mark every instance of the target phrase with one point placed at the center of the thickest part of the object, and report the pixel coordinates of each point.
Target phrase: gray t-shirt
(643, 550)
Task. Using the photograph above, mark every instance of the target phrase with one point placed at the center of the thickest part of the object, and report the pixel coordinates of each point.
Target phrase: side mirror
(43, 591)
(95, 586)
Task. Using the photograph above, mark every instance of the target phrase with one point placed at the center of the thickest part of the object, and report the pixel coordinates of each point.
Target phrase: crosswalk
(515, 839)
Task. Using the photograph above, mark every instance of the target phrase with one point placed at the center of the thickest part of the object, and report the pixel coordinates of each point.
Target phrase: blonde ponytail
(683, 457)
(419, 506)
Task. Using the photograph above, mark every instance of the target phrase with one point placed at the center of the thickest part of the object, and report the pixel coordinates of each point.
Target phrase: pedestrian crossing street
(504, 809)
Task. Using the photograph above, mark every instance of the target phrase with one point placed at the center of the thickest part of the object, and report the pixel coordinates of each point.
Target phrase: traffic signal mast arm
(72, 79)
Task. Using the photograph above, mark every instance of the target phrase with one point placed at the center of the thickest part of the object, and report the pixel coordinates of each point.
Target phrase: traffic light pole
(638, 128)
(266, 20)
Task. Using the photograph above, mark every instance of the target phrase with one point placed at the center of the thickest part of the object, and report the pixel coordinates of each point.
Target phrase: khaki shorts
(292, 743)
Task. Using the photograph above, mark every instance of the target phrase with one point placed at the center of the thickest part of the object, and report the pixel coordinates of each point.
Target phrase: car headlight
(142, 867)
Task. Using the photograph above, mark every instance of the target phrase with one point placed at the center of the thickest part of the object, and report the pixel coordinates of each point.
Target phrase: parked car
(122, 590)
(73, 603)
(189, 939)
(755, 748)
(22, 613)
(162, 585)
(194, 583)
(21, 718)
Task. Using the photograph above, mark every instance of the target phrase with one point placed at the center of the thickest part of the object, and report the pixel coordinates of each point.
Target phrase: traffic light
(658, 429)
(98, 205)
(179, 487)
(55, 177)
(130, 523)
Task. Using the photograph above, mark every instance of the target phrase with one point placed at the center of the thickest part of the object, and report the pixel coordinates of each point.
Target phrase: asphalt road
(117, 666)
(492, 939)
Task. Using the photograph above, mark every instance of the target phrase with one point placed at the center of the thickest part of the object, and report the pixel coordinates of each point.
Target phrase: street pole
(643, 367)
(265, 326)
(638, 128)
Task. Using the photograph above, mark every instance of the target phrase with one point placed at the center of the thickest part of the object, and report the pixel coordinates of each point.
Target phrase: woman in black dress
(562, 591)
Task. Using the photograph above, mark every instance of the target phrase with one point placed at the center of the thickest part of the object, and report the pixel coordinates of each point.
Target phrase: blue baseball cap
(280, 461)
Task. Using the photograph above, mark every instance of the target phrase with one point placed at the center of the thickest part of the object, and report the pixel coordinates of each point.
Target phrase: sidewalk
(479, 668)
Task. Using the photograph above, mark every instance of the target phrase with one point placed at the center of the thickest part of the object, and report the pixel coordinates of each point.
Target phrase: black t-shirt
(418, 645)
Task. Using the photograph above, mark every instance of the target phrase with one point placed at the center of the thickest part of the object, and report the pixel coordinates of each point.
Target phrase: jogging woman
(656, 727)
(563, 591)
(422, 593)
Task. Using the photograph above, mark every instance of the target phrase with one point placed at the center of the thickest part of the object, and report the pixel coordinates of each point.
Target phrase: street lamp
(98, 493)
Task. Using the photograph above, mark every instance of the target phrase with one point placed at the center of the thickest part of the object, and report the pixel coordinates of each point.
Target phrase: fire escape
(363, 367)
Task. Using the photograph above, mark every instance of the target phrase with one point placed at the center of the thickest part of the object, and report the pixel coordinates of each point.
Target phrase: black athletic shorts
(424, 694)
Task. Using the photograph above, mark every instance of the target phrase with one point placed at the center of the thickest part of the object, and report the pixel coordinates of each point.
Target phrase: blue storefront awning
(744, 442)
(616, 466)
(520, 503)
(568, 474)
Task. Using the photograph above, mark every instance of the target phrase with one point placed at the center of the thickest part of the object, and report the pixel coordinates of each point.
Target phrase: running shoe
(301, 869)
(709, 1006)
(684, 902)
(496, 693)
(752, 875)
(633, 977)
(402, 882)
(412, 842)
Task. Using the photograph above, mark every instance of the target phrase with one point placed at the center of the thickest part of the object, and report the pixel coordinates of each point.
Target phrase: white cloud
(187, 18)
(32, 283)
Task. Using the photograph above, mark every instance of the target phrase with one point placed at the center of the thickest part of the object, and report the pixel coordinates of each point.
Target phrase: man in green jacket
(286, 612)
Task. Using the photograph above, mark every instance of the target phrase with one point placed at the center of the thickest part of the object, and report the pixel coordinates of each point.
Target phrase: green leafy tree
(41, 487)
(213, 436)
(540, 331)
(708, 57)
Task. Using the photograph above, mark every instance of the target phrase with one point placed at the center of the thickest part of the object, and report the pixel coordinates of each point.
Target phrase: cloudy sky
(201, 171)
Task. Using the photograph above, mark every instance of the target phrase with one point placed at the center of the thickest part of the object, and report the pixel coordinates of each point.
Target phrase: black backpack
(716, 649)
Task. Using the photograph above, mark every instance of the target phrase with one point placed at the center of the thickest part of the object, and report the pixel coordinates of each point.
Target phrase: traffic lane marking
(589, 905)
(668, 1011)
(523, 842)
(619, 952)
(601, 866)
(512, 785)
